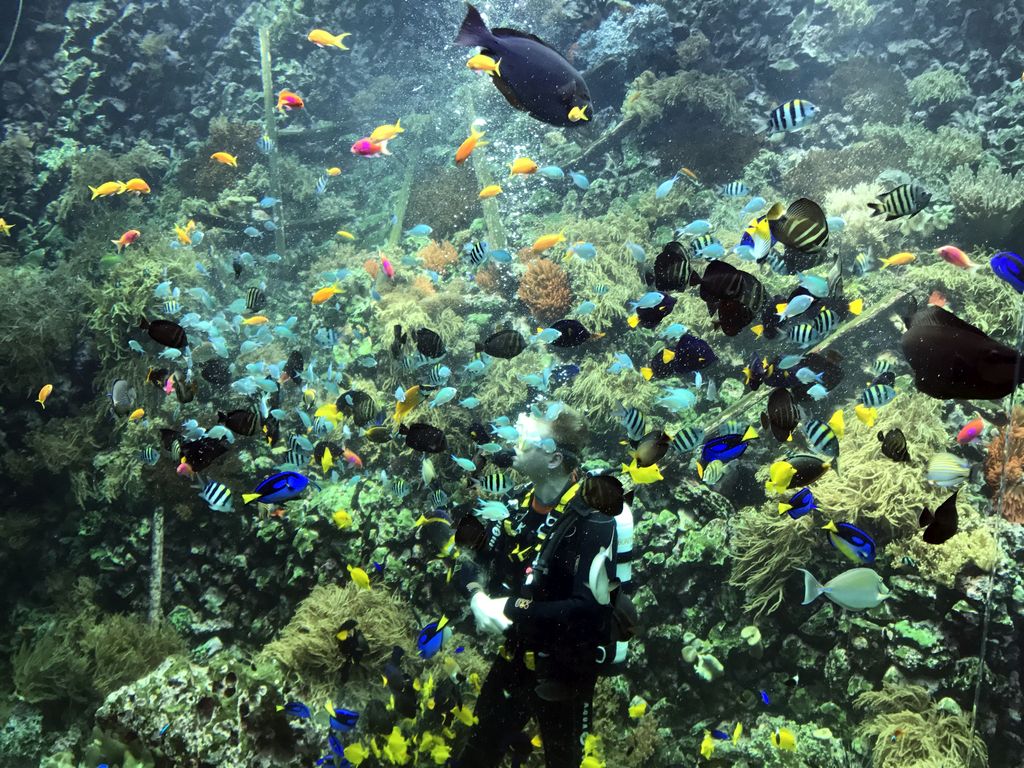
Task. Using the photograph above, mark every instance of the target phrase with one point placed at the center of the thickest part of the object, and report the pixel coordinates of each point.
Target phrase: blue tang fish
(855, 544)
(432, 637)
(278, 488)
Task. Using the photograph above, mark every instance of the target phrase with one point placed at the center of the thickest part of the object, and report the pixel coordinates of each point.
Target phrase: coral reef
(438, 255)
(764, 548)
(909, 730)
(1005, 464)
(991, 200)
(544, 288)
(938, 84)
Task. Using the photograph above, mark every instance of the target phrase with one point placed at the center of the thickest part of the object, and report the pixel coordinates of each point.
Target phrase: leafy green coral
(938, 84)
(908, 730)
(976, 548)
(124, 648)
(991, 200)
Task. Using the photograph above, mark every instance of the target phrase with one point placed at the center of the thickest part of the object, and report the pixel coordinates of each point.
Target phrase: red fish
(352, 458)
(971, 431)
(956, 257)
(366, 148)
(389, 270)
(289, 100)
(126, 239)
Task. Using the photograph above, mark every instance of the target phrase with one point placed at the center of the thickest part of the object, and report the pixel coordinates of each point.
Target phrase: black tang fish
(534, 77)
(952, 358)
(737, 296)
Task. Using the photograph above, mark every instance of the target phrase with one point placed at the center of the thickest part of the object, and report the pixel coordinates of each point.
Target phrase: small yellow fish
(837, 423)
(464, 715)
(324, 39)
(356, 753)
(324, 294)
(396, 749)
(185, 233)
(523, 166)
(5, 227)
(737, 732)
(137, 414)
(592, 762)
(784, 739)
(326, 461)
(638, 710)
(108, 188)
(334, 171)
(386, 132)
(544, 242)
(898, 259)
(707, 746)
(578, 113)
(491, 190)
(256, 320)
(866, 415)
(344, 233)
(225, 158)
(342, 519)
(412, 399)
(359, 576)
(309, 396)
(44, 392)
(781, 474)
(642, 475)
(330, 412)
(484, 63)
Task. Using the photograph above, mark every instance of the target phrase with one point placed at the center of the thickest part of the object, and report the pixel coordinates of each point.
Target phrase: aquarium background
(143, 628)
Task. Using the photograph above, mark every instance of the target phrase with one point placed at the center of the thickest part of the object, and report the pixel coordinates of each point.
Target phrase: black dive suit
(547, 666)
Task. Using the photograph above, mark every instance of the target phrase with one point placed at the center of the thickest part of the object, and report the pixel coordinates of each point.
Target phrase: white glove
(489, 613)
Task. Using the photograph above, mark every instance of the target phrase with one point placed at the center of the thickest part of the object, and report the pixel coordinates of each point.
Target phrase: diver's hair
(570, 434)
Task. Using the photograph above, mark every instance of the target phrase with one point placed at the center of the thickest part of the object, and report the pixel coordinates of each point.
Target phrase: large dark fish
(165, 332)
(534, 77)
(781, 416)
(737, 296)
(953, 359)
(942, 524)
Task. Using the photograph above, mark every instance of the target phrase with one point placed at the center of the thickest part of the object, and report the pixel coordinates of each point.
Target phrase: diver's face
(535, 451)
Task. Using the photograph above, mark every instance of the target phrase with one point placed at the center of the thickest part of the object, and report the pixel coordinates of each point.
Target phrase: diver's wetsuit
(561, 625)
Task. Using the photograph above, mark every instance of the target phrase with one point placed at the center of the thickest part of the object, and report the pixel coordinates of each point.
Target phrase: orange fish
(256, 320)
(971, 431)
(44, 392)
(352, 459)
(691, 174)
(108, 188)
(289, 100)
(412, 399)
(324, 39)
(225, 158)
(898, 259)
(126, 239)
(138, 186)
(522, 165)
(472, 142)
(544, 242)
(324, 294)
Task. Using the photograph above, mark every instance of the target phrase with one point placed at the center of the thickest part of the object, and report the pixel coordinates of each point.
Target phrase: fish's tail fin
(384, 147)
(474, 30)
(877, 209)
(813, 589)
(248, 498)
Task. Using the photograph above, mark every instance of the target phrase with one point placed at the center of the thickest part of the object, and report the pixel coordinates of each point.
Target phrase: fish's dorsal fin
(507, 32)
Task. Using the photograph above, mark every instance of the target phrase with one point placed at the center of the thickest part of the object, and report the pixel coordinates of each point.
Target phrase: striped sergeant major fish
(255, 299)
(477, 252)
(791, 116)
(217, 496)
(904, 200)
(735, 189)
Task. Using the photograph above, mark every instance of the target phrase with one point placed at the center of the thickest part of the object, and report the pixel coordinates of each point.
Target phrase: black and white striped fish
(438, 375)
(172, 307)
(803, 227)
(791, 116)
(255, 299)
(877, 395)
(634, 422)
(686, 440)
(821, 438)
(297, 457)
(321, 184)
(904, 200)
(438, 498)
(825, 322)
(477, 252)
(701, 242)
(217, 496)
(149, 455)
(494, 484)
(735, 189)
(803, 334)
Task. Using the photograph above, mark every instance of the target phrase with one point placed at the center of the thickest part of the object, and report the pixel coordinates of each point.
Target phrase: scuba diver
(544, 578)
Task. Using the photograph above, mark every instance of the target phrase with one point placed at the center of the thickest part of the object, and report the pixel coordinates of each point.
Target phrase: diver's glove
(489, 613)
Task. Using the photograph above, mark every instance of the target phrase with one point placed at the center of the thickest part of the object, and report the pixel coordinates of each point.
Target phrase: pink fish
(367, 148)
(185, 470)
(956, 257)
(971, 431)
(388, 269)
(168, 386)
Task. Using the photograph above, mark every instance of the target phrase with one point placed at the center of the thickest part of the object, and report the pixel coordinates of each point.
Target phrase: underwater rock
(708, 667)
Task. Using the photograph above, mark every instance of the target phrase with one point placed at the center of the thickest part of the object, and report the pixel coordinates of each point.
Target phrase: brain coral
(545, 290)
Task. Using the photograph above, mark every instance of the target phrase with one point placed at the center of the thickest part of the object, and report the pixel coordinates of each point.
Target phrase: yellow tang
(638, 710)
(356, 753)
(359, 576)
(781, 474)
(866, 415)
(642, 475)
(137, 414)
(412, 399)
(707, 746)
(330, 412)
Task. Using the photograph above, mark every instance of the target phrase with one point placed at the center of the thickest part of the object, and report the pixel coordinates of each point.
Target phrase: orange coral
(423, 285)
(438, 256)
(545, 290)
(1013, 469)
(372, 267)
(487, 279)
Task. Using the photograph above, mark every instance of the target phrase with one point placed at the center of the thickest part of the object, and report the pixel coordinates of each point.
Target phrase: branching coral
(977, 547)
(991, 200)
(308, 646)
(544, 288)
(765, 548)
(938, 84)
(997, 469)
(909, 730)
(124, 648)
(438, 256)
